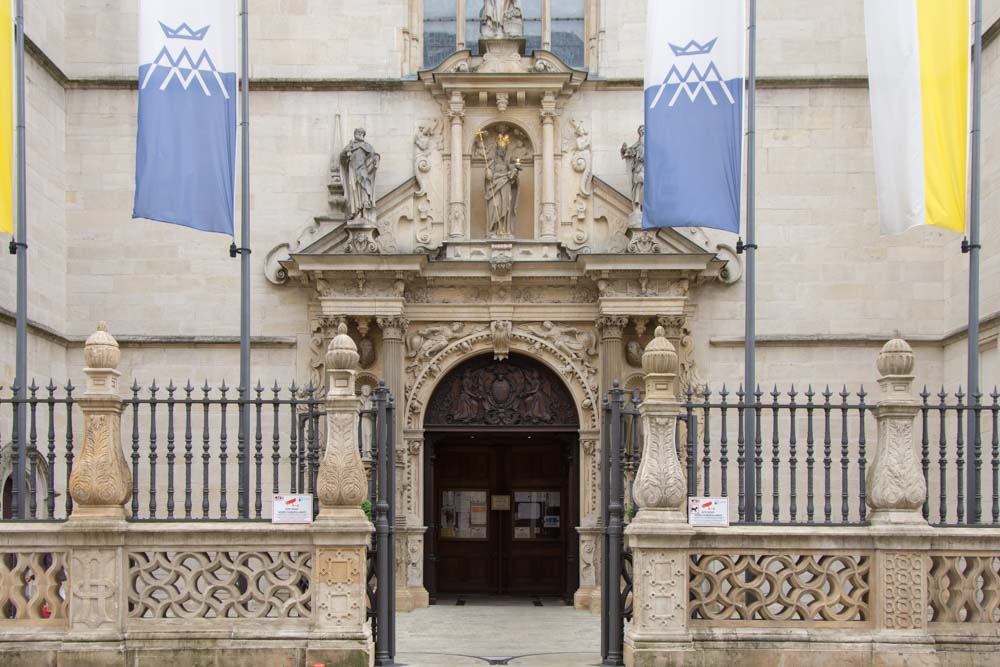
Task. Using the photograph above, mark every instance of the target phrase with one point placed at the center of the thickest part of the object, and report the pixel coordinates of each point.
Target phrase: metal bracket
(967, 247)
(14, 245)
(741, 247)
(234, 251)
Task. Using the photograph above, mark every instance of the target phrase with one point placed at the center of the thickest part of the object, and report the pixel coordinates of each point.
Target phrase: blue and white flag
(185, 163)
(695, 69)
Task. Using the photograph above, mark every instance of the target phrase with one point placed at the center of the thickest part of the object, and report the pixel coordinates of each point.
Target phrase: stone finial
(342, 354)
(101, 350)
(660, 355)
(896, 358)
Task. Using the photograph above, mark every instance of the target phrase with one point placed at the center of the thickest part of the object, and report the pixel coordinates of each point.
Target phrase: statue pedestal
(502, 55)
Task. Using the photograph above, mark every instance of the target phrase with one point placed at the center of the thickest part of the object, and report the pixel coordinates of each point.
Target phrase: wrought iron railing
(811, 451)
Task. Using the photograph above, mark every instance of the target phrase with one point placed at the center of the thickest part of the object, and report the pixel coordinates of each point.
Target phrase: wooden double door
(504, 515)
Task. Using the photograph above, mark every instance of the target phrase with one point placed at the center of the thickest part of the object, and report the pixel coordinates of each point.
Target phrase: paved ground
(498, 631)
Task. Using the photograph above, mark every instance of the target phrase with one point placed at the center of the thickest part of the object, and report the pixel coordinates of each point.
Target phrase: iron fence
(811, 451)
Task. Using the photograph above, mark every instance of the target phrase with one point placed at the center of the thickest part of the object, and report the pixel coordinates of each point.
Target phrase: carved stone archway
(567, 357)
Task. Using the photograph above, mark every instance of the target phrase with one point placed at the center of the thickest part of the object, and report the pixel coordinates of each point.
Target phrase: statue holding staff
(358, 166)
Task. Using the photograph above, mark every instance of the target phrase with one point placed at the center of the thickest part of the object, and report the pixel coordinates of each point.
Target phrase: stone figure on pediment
(501, 189)
(634, 157)
(358, 165)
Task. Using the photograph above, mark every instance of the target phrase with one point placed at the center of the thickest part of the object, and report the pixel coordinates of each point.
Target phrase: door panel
(519, 551)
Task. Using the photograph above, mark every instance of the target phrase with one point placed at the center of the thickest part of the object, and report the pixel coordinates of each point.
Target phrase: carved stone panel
(515, 392)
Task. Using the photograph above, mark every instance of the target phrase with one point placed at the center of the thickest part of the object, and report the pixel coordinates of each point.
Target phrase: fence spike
(51, 386)
(276, 389)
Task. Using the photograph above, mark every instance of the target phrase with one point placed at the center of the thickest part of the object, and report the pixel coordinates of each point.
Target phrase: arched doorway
(502, 481)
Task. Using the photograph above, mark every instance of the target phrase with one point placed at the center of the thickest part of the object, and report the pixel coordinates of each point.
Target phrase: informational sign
(708, 511)
(292, 508)
(500, 503)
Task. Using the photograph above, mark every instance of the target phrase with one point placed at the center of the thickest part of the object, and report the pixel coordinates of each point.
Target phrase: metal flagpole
(750, 334)
(972, 246)
(244, 500)
(20, 246)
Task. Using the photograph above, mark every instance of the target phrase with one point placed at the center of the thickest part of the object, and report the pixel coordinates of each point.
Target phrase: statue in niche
(501, 189)
(634, 157)
(501, 19)
(358, 165)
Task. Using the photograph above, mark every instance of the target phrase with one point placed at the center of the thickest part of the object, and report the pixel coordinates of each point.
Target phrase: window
(563, 32)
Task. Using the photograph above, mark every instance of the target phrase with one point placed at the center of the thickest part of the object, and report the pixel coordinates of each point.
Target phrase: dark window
(568, 31)
(439, 31)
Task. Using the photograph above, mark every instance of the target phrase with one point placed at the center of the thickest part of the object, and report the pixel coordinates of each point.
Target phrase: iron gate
(620, 450)
(378, 425)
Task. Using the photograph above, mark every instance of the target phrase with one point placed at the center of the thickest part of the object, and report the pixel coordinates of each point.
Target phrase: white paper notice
(292, 508)
(708, 511)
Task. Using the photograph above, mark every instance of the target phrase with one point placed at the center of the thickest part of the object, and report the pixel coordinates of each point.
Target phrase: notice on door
(292, 508)
(708, 511)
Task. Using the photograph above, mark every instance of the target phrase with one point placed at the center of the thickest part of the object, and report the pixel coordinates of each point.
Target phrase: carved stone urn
(101, 482)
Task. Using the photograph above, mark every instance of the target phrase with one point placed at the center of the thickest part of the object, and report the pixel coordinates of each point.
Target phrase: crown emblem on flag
(693, 48)
(184, 31)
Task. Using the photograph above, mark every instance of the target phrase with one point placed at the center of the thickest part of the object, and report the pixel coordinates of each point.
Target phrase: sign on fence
(708, 511)
(292, 508)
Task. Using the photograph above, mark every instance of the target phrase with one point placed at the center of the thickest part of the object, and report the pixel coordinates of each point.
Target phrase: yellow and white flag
(6, 118)
(918, 74)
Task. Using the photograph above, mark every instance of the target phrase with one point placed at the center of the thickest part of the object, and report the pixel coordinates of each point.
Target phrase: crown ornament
(503, 140)
(184, 31)
(693, 48)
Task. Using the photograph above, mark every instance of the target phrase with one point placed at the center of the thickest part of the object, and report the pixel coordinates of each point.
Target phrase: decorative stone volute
(101, 482)
(342, 354)
(895, 484)
(896, 358)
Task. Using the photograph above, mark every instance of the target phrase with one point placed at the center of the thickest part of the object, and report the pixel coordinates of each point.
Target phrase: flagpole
(750, 334)
(244, 509)
(20, 246)
(972, 514)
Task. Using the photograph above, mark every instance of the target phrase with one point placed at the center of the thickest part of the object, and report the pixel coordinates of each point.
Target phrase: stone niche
(522, 151)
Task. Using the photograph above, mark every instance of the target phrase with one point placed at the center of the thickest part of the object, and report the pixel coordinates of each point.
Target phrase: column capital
(611, 326)
(393, 326)
(456, 105)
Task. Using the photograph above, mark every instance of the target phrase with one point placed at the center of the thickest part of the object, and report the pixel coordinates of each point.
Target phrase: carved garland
(483, 340)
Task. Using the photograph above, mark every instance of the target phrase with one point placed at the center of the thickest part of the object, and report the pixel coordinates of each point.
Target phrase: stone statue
(501, 19)
(358, 164)
(634, 157)
(501, 188)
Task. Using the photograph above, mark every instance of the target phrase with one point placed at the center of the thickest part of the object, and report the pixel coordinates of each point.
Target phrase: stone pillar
(659, 535)
(610, 328)
(341, 531)
(456, 199)
(101, 483)
(548, 213)
(894, 483)
(101, 486)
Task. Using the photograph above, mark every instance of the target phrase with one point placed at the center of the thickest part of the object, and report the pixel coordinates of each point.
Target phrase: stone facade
(578, 286)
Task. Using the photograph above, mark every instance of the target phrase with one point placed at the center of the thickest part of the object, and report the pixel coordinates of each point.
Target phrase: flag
(6, 118)
(185, 163)
(695, 70)
(918, 81)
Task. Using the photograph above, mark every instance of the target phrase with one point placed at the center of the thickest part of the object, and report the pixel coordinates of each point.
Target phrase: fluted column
(101, 482)
(894, 483)
(548, 213)
(611, 328)
(456, 199)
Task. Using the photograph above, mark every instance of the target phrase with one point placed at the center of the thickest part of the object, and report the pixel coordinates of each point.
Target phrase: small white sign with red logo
(708, 511)
(292, 508)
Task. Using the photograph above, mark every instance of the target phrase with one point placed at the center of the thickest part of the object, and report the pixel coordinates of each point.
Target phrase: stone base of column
(112, 513)
(409, 598)
(353, 653)
(661, 653)
(898, 519)
(586, 598)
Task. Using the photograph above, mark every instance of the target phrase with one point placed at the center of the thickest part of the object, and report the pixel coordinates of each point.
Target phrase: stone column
(341, 531)
(894, 483)
(101, 486)
(610, 328)
(456, 199)
(659, 534)
(548, 213)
